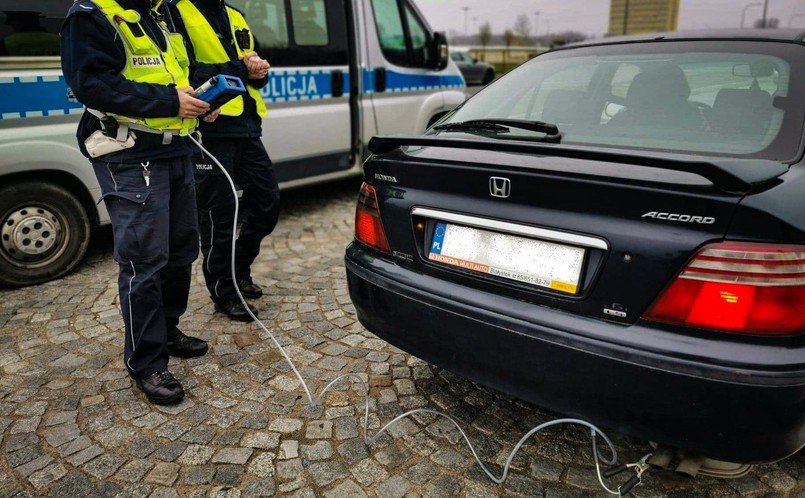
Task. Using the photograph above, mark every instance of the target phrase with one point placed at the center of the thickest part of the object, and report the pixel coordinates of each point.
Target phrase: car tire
(489, 75)
(44, 233)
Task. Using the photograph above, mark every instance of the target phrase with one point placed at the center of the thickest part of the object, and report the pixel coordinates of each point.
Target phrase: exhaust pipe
(661, 459)
(690, 466)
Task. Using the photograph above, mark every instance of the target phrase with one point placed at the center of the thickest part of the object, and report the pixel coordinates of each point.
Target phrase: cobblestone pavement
(73, 425)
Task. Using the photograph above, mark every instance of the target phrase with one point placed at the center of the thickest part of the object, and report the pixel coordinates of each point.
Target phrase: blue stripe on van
(406, 82)
(34, 96)
(47, 95)
(289, 86)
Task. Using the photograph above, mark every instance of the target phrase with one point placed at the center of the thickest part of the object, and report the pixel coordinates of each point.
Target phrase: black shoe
(184, 346)
(161, 388)
(234, 309)
(249, 289)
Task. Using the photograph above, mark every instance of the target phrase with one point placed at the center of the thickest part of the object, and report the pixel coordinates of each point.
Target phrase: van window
(267, 20)
(403, 36)
(294, 33)
(31, 28)
(309, 22)
(418, 39)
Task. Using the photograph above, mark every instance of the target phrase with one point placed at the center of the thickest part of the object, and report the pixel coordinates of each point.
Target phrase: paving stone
(104, 466)
(61, 417)
(228, 475)
(24, 455)
(325, 473)
(261, 440)
(321, 450)
(74, 446)
(196, 455)
(394, 487)
(23, 426)
(51, 473)
(260, 487)
(288, 450)
(238, 456)
(16, 442)
(142, 446)
(199, 475)
(163, 474)
(171, 430)
(73, 485)
(171, 451)
(368, 472)
(134, 470)
(443, 487)
(345, 489)
(29, 468)
(421, 473)
(262, 465)
(285, 425)
(353, 451)
(288, 470)
(319, 429)
(517, 485)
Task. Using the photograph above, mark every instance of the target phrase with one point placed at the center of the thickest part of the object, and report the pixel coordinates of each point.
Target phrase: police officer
(132, 76)
(220, 42)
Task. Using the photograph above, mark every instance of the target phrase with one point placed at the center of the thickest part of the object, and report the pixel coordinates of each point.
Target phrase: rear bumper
(755, 413)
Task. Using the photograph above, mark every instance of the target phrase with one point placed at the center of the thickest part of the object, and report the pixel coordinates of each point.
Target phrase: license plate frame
(511, 257)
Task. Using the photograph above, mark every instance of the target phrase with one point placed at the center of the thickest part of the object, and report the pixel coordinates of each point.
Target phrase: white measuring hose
(594, 431)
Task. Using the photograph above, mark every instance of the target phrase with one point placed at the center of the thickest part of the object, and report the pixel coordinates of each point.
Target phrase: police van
(342, 71)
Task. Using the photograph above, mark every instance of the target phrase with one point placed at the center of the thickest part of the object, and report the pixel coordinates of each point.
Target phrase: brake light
(739, 287)
(368, 226)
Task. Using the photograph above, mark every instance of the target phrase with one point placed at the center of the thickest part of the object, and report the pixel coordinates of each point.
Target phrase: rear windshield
(739, 99)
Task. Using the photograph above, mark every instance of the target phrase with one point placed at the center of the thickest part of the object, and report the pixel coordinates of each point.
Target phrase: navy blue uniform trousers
(247, 162)
(156, 241)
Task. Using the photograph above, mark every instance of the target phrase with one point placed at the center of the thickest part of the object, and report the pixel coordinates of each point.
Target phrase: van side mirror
(439, 54)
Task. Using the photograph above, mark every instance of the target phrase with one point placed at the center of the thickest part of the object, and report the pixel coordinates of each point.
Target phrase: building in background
(628, 17)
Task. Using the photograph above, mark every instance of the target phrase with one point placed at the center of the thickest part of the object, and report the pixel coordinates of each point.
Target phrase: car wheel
(44, 233)
(489, 75)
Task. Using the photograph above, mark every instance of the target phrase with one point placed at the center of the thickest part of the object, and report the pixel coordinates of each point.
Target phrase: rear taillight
(368, 227)
(738, 287)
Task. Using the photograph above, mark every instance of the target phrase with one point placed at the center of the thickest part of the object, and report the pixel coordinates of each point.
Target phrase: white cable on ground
(594, 431)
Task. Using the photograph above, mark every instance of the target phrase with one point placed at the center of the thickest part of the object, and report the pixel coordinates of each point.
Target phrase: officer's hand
(189, 106)
(257, 66)
(209, 118)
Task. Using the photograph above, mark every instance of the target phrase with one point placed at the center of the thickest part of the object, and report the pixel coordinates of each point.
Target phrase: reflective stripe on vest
(209, 49)
(147, 63)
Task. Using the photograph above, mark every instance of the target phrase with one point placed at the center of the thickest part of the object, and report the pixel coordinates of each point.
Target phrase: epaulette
(82, 6)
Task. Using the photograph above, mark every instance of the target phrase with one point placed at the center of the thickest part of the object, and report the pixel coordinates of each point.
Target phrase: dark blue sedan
(614, 231)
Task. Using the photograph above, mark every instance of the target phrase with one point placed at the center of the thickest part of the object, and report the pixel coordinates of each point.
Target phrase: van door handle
(336, 83)
(380, 79)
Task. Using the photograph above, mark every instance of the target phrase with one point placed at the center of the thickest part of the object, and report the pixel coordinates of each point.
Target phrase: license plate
(537, 262)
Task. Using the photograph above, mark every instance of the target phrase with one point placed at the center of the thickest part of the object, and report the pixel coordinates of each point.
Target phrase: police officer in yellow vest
(132, 75)
(220, 42)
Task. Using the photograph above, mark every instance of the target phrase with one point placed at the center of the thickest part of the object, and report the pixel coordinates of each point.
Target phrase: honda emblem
(500, 187)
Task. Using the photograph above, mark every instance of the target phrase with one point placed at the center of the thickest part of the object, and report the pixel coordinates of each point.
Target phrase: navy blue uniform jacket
(92, 59)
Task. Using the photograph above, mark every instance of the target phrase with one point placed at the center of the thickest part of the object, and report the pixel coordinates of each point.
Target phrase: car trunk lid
(624, 225)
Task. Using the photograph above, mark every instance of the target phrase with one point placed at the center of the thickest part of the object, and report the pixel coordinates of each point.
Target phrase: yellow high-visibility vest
(147, 63)
(209, 49)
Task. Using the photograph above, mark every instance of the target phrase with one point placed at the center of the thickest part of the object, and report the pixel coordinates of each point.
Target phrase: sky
(592, 16)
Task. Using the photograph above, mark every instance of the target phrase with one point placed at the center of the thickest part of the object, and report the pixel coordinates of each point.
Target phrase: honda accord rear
(614, 231)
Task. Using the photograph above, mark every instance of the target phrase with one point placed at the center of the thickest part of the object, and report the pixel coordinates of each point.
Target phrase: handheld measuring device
(219, 90)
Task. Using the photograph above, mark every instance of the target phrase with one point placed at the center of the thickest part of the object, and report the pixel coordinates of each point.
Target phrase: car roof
(789, 35)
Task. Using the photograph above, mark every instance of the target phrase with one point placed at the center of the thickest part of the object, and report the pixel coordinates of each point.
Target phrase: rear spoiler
(737, 176)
